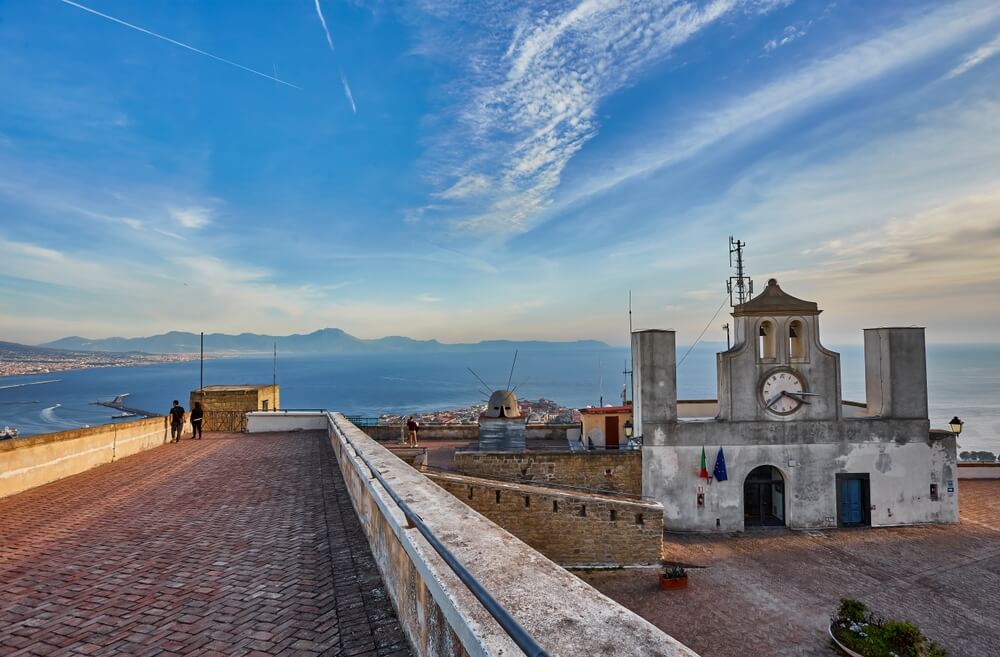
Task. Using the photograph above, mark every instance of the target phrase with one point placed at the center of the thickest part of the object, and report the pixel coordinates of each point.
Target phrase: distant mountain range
(323, 341)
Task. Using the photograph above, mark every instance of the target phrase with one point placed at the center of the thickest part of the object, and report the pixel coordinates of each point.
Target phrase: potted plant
(859, 633)
(673, 577)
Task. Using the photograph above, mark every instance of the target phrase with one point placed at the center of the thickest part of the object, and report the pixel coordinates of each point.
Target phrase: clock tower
(777, 370)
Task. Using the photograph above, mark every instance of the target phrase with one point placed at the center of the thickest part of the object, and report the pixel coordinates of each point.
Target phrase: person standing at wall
(412, 427)
(176, 421)
(197, 413)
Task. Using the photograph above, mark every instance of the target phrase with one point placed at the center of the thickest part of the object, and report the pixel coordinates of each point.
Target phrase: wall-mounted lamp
(956, 425)
(629, 429)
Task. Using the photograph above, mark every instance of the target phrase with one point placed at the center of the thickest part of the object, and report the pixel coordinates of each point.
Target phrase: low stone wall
(979, 470)
(265, 421)
(438, 613)
(37, 460)
(572, 529)
(394, 432)
(618, 472)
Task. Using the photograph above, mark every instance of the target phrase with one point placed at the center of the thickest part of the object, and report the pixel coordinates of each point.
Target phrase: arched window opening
(765, 346)
(796, 340)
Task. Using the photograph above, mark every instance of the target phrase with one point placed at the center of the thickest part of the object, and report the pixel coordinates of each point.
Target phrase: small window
(765, 341)
(613, 515)
(555, 506)
(498, 497)
(796, 340)
(583, 510)
(471, 491)
(639, 521)
(263, 405)
(527, 502)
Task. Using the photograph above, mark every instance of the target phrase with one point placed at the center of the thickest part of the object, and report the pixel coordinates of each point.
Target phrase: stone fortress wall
(571, 528)
(611, 471)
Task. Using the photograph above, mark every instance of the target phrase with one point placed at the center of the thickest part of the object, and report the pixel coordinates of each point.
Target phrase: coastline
(33, 367)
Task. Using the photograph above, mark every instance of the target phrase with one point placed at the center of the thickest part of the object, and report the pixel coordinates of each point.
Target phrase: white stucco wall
(900, 474)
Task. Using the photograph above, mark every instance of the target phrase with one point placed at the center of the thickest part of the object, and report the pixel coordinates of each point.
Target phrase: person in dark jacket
(176, 416)
(196, 416)
(412, 427)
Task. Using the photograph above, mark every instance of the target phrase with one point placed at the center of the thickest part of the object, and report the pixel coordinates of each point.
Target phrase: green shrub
(869, 635)
(674, 572)
(852, 610)
(903, 638)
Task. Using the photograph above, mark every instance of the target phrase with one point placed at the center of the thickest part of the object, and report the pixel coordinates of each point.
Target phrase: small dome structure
(503, 403)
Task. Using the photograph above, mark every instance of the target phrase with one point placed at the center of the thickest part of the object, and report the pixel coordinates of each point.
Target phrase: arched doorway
(764, 498)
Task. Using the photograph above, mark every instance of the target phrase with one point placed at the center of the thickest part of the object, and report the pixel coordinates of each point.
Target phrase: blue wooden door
(851, 512)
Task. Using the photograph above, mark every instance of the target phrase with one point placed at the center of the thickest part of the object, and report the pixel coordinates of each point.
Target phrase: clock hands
(796, 396)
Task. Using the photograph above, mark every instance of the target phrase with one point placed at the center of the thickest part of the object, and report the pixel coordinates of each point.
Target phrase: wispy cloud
(814, 83)
(194, 217)
(976, 57)
(533, 94)
(789, 34)
(427, 297)
(178, 43)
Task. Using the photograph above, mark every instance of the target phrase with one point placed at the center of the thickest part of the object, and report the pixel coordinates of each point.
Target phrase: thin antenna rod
(479, 378)
(274, 366)
(512, 369)
(201, 375)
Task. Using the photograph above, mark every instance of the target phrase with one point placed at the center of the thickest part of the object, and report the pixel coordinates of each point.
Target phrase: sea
(963, 380)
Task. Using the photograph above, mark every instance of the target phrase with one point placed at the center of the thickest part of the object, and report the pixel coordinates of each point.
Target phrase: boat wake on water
(49, 416)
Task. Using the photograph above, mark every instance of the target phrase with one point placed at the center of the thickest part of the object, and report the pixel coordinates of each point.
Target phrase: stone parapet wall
(438, 613)
(572, 529)
(37, 460)
(614, 471)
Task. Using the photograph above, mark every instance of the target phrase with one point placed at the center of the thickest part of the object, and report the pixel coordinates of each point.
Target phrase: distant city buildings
(541, 411)
(21, 360)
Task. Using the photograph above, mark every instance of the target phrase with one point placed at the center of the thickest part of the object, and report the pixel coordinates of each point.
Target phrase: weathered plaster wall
(438, 613)
(899, 457)
(571, 528)
(36, 460)
(615, 471)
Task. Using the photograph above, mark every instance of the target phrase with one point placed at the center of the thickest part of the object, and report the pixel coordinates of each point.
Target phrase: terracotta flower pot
(667, 583)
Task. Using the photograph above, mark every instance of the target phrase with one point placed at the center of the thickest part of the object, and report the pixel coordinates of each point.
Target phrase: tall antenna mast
(628, 390)
(512, 370)
(740, 286)
(201, 373)
(274, 366)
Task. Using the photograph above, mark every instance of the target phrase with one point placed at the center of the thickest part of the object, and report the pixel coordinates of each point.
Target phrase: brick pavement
(235, 545)
(771, 592)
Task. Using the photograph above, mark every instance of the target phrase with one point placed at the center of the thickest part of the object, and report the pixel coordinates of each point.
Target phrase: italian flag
(704, 465)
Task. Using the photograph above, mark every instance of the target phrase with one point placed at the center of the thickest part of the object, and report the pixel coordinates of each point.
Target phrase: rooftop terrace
(235, 545)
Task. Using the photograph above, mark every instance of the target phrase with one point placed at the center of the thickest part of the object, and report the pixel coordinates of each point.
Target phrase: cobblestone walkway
(235, 545)
(771, 592)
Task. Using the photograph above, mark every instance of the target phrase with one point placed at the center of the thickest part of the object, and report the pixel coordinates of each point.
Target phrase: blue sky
(471, 170)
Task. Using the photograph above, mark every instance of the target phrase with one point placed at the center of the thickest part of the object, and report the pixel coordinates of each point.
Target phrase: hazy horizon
(463, 170)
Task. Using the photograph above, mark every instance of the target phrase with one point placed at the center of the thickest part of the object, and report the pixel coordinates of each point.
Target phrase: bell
(792, 332)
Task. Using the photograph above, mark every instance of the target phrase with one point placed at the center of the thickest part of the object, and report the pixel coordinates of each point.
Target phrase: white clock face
(782, 392)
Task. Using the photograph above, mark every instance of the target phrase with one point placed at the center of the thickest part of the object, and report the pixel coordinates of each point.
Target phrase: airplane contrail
(178, 43)
(319, 12)
(347, 91)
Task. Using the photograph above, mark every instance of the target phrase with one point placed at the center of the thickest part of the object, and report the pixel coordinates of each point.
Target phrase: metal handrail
(509, 624)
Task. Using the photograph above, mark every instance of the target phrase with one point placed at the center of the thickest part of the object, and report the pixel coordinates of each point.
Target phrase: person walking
(412, 427)
(196, 415)
(176, 421)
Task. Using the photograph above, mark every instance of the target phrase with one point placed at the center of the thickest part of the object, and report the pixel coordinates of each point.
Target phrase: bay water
(963, 380)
